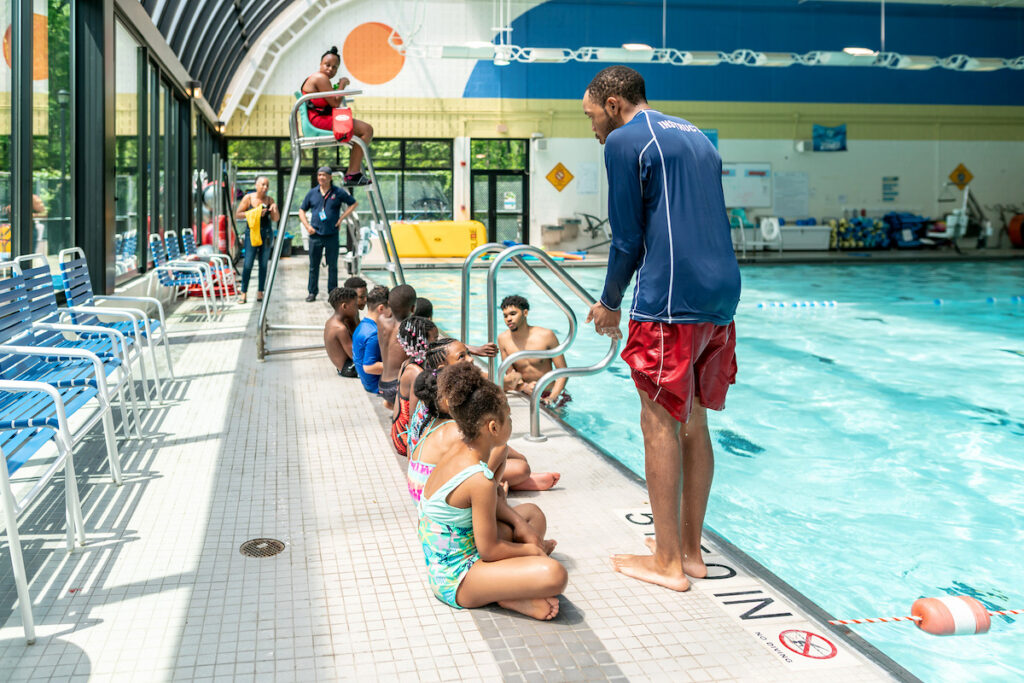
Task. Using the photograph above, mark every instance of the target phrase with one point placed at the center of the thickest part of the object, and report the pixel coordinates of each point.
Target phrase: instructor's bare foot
(644, 568)
(539, 608)
(691, 567)
(538, 481)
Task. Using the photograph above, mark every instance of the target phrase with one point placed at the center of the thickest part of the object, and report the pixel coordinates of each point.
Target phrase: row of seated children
(454, 425)
(478, 548)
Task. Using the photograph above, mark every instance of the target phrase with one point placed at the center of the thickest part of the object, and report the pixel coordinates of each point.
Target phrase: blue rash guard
(668, 221)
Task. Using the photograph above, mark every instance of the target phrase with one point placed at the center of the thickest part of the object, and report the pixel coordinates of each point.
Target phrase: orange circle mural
(40, 48)
(368, 57)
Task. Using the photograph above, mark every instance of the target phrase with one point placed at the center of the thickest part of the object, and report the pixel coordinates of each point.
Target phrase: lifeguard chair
(305, 136)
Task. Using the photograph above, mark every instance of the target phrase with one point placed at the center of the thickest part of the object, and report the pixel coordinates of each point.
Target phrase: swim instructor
(669, 226)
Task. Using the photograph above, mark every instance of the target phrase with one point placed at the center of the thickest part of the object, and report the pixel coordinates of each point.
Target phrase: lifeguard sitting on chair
(326, 113)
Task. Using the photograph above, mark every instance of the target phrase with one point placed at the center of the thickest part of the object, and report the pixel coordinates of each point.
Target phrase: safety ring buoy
(770, 229)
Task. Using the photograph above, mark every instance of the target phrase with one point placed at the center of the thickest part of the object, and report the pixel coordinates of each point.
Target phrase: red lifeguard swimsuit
(320, 111)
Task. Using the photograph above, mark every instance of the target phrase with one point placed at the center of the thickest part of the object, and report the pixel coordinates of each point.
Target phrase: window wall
(39, 110)
(51, 128)
(415, 176)
(6, 15)
(129, 188)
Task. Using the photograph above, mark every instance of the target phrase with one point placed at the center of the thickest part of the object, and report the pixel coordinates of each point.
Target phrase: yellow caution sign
(961, 177)
(559, 176)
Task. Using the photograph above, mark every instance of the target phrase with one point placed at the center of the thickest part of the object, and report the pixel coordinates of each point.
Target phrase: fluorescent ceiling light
(546, 55)
(774, 59)
(637, 47)
(617, 54)
(915, 62)
(702, 58)
(843, 58)
(967, 63)
(478, 43)
(465, 52)
(859, 51)
(984, 64)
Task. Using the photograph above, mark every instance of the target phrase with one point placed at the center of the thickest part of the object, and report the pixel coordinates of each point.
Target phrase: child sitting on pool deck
(468, 564)
(440, 354)
(415, 335)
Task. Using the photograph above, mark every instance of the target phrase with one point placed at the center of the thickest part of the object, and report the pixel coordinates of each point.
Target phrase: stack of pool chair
(905, 229)
(859, 233)
(220, 264)
(53, 392)
(182, 276)
(85, 307)
(126, 248)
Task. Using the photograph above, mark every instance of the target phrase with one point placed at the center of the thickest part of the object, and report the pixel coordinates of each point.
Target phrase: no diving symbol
(807, 644)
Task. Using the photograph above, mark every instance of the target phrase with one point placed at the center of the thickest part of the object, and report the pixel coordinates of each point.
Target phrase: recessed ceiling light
(637, 47)
(859, 51)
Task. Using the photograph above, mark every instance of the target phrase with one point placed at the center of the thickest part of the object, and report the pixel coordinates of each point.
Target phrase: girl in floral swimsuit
(468, 564)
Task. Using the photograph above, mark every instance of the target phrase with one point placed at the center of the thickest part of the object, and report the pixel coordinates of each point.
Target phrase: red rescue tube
(951, 615)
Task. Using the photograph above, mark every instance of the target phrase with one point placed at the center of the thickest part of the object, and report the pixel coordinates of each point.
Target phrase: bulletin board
(747, 185)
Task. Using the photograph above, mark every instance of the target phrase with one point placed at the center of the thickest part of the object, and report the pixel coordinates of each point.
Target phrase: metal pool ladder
(381, 225)
(497, 375)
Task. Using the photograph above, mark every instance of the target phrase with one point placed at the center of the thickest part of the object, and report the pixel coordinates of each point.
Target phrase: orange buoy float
(951, 615)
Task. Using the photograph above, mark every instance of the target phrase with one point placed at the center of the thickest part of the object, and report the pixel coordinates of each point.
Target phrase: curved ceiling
(212, 37)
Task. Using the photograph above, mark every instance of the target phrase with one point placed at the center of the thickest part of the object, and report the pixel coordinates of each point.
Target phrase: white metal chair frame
(118, 344)
(142, 330)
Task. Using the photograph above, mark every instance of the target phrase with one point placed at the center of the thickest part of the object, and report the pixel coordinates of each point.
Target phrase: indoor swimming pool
(870, 453)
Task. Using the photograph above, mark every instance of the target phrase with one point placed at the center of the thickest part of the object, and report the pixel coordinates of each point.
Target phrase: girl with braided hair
(470, 563)
(431, 421)
(415, 335)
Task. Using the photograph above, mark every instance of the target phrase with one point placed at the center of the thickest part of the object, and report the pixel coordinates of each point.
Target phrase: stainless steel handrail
(515, 254)
(299, 143)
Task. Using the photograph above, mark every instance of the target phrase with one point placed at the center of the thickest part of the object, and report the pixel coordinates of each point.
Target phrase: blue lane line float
(798, 304)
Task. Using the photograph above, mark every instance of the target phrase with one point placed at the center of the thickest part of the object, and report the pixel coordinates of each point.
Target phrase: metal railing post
(298, 144)
(389, 240)
(515, 253)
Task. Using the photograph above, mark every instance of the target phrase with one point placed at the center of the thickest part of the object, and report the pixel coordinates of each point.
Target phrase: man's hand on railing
(487, 350)
(606, 322)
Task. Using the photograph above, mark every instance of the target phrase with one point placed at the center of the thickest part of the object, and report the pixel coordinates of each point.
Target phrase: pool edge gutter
(758, 570)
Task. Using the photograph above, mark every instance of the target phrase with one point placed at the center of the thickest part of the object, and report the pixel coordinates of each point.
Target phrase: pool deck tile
(286, 449)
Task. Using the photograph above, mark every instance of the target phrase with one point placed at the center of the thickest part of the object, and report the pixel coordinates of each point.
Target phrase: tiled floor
(286, 449)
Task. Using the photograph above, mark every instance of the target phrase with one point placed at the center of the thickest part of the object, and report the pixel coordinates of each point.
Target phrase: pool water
(870, 453)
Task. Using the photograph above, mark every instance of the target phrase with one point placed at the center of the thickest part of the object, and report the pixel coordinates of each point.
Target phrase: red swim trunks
(675, 362)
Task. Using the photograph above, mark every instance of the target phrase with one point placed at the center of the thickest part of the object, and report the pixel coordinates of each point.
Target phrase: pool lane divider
(936, 302)
(949, 615)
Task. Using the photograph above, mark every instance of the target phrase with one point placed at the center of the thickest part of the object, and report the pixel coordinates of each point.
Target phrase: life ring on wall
(1015, 228)
(770, 229)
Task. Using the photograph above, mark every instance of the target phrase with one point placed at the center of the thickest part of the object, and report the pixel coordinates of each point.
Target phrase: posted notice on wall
(792, 195)
(586, 181)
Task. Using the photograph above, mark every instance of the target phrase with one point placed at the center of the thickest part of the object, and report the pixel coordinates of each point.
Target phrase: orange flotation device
(341, 122)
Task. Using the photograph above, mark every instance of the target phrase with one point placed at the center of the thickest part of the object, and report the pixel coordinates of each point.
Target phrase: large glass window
(498, 155)
(51, 128)
(127, 168)
(163, 143)
(415, 177)
(5, 142)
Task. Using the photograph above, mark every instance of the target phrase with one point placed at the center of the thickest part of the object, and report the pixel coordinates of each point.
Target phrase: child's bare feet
(549, 545)
(544, 609)
(694, 567)
(538, 481)
(644, 568)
